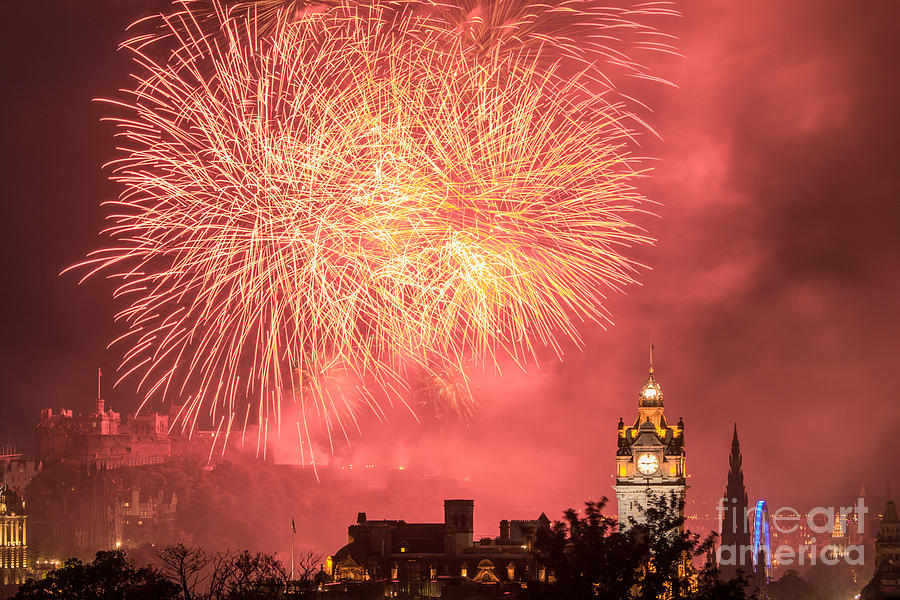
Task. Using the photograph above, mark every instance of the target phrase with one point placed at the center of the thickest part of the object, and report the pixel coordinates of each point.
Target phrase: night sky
(772, 299)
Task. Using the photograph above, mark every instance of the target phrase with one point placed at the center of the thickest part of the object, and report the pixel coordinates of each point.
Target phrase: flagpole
(293, 531)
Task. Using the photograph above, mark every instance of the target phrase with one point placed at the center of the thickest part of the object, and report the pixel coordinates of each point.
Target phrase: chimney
(504, 529)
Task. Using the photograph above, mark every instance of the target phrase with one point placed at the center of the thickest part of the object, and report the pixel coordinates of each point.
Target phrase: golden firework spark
(320, 200)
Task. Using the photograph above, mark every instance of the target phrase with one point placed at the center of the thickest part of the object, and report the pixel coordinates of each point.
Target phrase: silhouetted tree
(670, 550)
(307, 572)
(111, 576)
(712, 587)
(228, 575)
(254, 576)
(186, 567)
(833, 582)
(589, 556)
(792, 587)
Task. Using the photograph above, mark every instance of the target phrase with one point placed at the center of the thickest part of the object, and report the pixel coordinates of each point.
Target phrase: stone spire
(735, 487)
(737, 551)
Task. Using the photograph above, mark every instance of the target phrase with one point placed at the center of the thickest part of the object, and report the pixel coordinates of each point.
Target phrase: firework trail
(322, 201)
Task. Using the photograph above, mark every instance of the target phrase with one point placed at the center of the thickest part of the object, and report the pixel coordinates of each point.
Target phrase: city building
(886, 581)
(422, 559)
(650, 461)
(18, 471)
(74, 513)
(13, 537)
(145, 514)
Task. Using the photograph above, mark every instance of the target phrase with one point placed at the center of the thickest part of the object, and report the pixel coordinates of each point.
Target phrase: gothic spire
(735, 466)
(735, 528)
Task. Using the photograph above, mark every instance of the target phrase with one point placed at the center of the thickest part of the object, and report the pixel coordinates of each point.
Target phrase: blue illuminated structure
(761, 541)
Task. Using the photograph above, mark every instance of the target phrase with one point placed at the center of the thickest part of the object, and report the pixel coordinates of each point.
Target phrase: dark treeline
(178, 572)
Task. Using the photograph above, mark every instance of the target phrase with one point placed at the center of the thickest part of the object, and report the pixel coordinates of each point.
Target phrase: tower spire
(735, 510)
(735, 461)
(651, 394)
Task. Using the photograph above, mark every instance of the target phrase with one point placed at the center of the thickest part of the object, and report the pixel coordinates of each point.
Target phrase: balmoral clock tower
(650, 458)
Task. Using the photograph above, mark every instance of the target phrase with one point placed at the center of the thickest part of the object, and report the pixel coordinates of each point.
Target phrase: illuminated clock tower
(650, 456)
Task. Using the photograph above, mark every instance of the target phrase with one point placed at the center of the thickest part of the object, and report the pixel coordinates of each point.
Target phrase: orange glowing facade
(13, 538)
(432, 560)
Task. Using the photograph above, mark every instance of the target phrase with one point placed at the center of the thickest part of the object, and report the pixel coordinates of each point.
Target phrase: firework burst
(321, 200)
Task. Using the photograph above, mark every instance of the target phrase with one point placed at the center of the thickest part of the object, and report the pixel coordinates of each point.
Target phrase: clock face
(648, 464)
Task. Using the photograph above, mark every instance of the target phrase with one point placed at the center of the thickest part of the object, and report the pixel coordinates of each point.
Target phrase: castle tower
(460, 516)
(650, 455)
